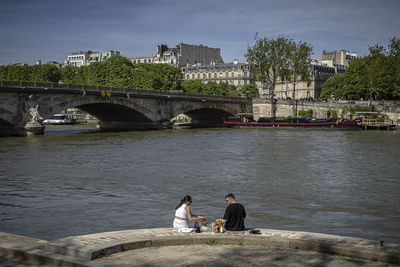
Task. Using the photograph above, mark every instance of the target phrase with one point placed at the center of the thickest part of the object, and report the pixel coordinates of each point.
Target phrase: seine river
(72, 181)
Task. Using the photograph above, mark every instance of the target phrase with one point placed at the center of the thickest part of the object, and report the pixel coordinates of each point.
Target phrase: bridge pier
(122, 126)
(34, 128)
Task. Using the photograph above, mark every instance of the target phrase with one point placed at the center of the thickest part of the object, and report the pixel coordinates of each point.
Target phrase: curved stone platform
(84, 250)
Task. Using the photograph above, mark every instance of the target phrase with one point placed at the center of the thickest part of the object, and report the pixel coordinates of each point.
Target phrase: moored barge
(247, 121)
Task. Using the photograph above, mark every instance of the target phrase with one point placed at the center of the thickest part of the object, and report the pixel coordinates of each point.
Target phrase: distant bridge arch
(118, 109)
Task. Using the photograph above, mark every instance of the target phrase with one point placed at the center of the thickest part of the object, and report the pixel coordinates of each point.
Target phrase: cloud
(136, 27)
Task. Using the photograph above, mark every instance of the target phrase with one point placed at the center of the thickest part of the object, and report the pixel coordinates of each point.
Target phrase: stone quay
(168, 247)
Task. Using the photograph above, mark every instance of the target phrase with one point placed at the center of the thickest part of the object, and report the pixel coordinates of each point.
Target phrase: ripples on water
(73, 181)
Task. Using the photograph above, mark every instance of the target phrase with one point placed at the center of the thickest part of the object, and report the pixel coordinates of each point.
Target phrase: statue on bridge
(34, 113)
(32, 117)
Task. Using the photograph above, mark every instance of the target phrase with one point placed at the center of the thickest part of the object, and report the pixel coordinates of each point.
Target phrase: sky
(49, 30)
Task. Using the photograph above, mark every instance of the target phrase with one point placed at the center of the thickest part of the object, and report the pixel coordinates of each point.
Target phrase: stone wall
(321, 109)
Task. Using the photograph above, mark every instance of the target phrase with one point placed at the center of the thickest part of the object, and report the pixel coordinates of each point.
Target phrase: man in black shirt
(234, 214)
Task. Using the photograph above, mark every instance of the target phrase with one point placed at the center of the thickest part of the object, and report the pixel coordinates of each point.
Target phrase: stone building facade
(341, 57)
(320, 70)
(182, 55)
(311, 89)
(233, 73)
(84, 58)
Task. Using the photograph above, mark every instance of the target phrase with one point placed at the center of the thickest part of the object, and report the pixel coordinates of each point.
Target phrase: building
(99, 57)
(339, 60)
(332, 63)
(84, 58)
(234, 73)
(319, 73)
(182, 55)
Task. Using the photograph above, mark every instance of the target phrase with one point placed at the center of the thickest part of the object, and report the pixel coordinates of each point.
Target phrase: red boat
(246, 121)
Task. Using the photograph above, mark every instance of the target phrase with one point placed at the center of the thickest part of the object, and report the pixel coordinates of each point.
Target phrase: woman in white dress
(183, 214)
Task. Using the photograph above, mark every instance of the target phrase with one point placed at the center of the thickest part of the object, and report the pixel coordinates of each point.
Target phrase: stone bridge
(24, 105)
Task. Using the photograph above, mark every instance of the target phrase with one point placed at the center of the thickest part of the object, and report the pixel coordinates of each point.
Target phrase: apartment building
(84, 58)
(182, 55)
(233, 73)
(338, 59)
(319, 73)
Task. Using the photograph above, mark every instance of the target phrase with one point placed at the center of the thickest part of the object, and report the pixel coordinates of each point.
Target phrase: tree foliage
(376, 75)
(210, 88)
(268, 59)
(249, 91)
(298, 63)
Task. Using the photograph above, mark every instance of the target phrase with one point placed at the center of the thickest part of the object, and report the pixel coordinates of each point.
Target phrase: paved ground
(226, 255)
(6, 262)
(167, 247)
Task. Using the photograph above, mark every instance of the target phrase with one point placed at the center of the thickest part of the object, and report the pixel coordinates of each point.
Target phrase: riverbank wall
(89, 250)
(324, 109)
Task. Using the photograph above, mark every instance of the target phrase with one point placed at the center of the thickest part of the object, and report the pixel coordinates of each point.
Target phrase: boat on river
(247, 121)
(67, 118)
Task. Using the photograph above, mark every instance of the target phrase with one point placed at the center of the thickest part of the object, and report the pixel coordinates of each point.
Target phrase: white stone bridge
(24, 105)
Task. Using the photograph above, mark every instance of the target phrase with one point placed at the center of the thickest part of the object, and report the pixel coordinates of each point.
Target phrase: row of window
(141, 61)
(76, 58)
(221, 75)
(218, 68)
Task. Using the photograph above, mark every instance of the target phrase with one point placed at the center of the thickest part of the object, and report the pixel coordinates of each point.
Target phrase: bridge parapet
(116, 108)
(77, 87)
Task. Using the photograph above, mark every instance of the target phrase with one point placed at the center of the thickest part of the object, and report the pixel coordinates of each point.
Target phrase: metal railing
(54, 85)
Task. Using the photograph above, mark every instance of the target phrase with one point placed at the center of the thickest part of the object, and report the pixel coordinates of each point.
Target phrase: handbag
(196, 228)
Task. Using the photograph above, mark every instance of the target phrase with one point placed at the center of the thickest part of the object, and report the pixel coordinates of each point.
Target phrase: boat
(376, 121)
(67, 118)
(247, 121)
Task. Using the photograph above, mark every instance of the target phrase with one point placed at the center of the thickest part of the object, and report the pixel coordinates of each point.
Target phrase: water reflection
(339, 182)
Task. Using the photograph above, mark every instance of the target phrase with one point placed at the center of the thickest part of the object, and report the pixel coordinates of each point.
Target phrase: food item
(218, 226)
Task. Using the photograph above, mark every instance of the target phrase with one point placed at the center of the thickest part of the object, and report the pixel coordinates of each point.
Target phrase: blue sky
(51, 29)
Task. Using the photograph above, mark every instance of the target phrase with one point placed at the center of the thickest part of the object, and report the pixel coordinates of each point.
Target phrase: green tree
(333, 86)
(268, 60)
(45, 73)
(249, 91)
(394, 66)
(299, 58)
(193, 86)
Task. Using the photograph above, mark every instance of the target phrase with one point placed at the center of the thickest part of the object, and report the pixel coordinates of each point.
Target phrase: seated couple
(233, 219)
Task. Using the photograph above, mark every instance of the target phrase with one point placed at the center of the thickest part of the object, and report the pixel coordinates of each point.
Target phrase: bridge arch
(213, 113)
(209, 115)
(103, 109)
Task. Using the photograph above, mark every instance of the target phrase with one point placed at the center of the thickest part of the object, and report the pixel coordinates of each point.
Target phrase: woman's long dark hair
(186, 198)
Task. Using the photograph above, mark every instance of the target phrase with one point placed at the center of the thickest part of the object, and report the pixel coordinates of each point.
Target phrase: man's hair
(230, 195)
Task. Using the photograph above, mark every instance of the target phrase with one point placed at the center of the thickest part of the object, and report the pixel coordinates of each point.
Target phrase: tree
(193, 86)
(249, 91)
(376, 76)
(394, 63)
(268, 60)
(299, 58)
(333, 86)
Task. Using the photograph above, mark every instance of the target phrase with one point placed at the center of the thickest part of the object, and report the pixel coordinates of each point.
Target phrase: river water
(72, 181)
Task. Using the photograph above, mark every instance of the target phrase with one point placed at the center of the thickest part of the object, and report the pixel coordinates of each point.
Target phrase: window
(198, 76)
(204, 75)
(233, 74)
(193, 76)
(239, 75)
(188, 77)
(220, 75)
(245, 74)
(215, 76)
(209, 76)
(226, 75)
